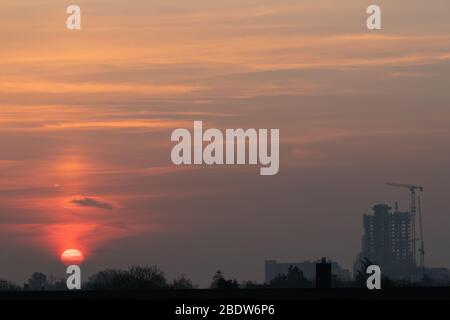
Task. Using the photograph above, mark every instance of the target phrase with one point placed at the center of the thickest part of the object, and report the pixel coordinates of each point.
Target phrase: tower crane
(412, 189)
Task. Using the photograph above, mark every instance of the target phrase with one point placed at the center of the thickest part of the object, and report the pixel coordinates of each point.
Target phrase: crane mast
(412, 189)
(422, 247)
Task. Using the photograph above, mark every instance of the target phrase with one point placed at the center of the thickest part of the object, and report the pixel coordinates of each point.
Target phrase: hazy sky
(86, 118)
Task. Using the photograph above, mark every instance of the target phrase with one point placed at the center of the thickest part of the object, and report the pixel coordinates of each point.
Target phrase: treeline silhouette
(152, 278)
(134, 278)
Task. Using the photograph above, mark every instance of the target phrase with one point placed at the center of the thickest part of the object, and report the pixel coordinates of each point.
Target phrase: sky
(86, 118)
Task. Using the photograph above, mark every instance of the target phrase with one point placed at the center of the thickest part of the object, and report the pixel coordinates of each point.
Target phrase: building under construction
(388, 240)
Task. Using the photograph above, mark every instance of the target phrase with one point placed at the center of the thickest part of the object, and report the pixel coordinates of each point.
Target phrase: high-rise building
(387, 240)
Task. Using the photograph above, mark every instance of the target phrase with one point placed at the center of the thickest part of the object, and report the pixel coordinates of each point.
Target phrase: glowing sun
(72, 256)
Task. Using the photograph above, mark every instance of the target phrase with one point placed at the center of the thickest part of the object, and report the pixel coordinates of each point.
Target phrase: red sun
(72, 256)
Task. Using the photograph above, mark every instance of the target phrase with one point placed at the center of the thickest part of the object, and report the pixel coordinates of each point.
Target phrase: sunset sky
(86, 118)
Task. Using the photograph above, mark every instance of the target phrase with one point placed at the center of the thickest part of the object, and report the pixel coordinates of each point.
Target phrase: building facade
(387, 240)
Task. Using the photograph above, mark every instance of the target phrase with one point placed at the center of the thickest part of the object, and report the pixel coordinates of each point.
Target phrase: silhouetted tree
(6, 285)
(110, 279)
(219, 282)
(38, 281)
(361, 275)
(135, 278)
(182, 283)
(253, 285)
(148, 277)
(58, 285)
(293, 279)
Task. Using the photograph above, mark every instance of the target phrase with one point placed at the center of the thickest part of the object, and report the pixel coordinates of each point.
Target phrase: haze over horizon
(86, 118)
